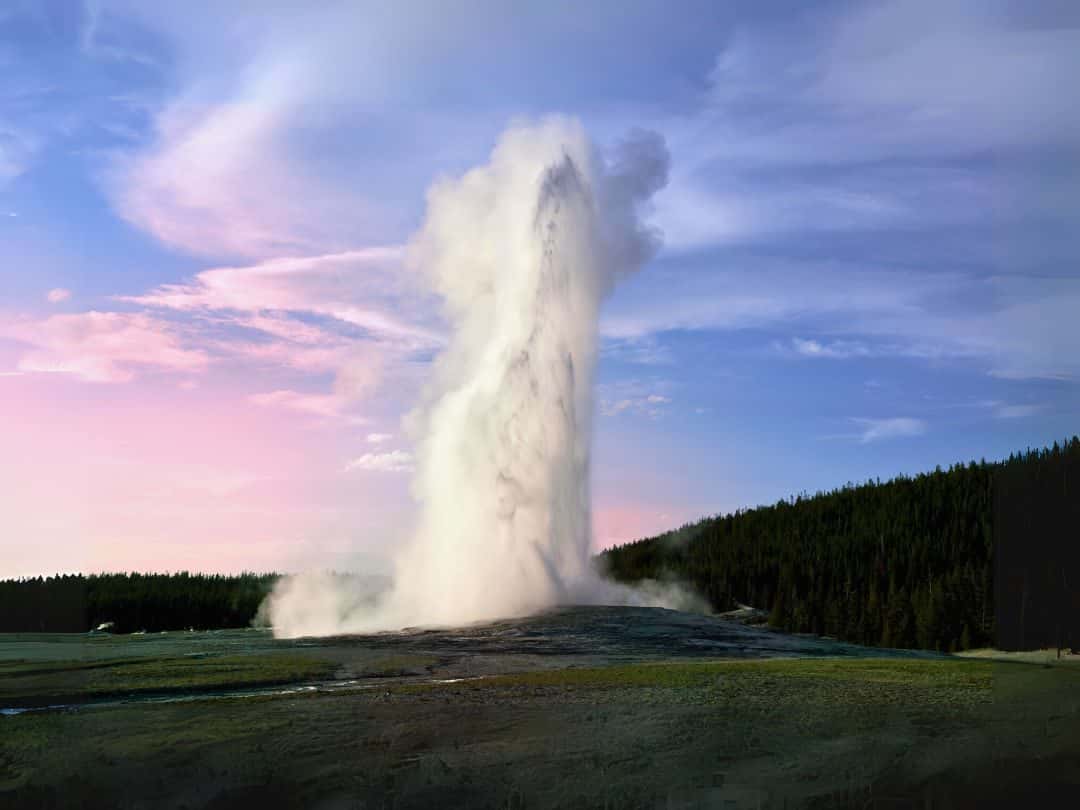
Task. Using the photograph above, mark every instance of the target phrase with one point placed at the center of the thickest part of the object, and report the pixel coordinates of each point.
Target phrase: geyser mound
(522, 251)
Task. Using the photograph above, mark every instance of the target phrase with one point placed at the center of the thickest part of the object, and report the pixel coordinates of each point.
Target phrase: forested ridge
(131, 602)
(905, 563)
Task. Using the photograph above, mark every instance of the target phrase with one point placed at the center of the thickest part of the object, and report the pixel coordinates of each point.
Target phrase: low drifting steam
(523, 251)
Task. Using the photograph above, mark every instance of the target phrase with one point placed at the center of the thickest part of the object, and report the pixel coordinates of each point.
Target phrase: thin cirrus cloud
(358, 315)
(218, 181)
(217, 176)
(236, 161)
(19, 144)
(876, 430)
(1026, 329)
(762, 292)
(836, 349)
(1015, 326)
(1006, 411)
(876, 121)
(642, 406)
(358, 373)
(103, 347)
(394, 461)
(886, 80)
(872, 311)
(322, 405)
(368, 289)
(852, 123)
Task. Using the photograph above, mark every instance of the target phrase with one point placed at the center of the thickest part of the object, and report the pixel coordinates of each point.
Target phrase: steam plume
(522, 250)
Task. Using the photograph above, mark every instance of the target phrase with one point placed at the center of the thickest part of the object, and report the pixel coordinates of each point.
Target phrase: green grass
(24, 683)
(945, 674)
(949, 689)
(817, 722)
(129, 738)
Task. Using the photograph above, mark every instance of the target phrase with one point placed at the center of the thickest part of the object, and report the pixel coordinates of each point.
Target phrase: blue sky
(870, 262)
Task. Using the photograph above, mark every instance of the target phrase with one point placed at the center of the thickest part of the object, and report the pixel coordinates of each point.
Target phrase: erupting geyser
(522, 250)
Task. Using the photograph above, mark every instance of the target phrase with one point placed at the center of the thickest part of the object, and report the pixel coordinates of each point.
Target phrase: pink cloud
(358, 366)
(218, 180)
(393, 461)
(281, 353)
(370, 288)
(358, 369)
(287, 315)
(324, 405)
(286, 328)
(307, 311)
(57, 294)
(360, 372)
(101, 346)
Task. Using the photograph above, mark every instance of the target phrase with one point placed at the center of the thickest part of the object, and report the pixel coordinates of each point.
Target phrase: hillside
(979, 554)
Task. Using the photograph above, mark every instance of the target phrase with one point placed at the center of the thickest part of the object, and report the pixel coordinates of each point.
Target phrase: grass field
(829, 733)
(30, 683)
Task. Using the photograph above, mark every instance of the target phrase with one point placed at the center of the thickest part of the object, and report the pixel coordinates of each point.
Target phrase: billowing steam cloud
(522, 250)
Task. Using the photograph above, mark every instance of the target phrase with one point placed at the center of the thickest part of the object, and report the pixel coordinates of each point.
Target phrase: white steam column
(522, 250)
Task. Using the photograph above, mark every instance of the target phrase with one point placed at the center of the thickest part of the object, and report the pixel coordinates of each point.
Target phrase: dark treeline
(1037, 564)
(906, 563)
(131, 602)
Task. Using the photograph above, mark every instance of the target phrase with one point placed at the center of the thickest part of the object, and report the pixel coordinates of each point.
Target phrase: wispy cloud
(102, 346)
(1004, 411)
(883, 81)
(235, 162)
(322, 405)
(57, 295)
(759, 293)
(379, 438)
(644, 350)
(650, 405)
(1015, 326)
(358, 315)
(836, 349)
(18, 149)
(875, 430)
(218, 181)
(393, 461)
(862, 123)
(694, 215)
(368, 289)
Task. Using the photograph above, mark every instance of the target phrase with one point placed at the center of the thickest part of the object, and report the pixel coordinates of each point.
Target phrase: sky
(209, 337)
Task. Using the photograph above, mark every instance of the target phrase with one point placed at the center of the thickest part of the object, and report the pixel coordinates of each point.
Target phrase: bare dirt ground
(591, 709)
